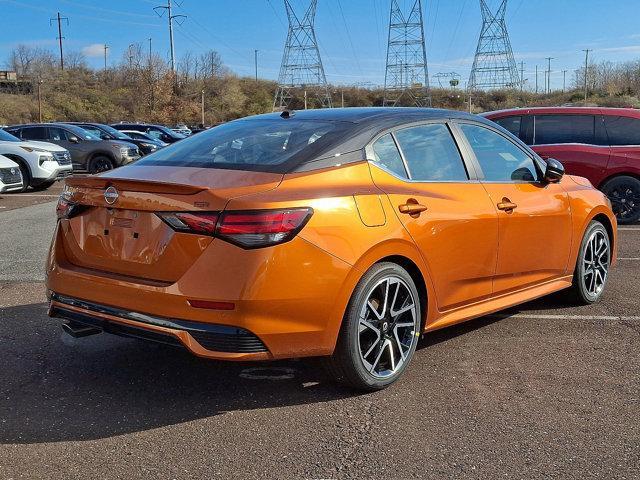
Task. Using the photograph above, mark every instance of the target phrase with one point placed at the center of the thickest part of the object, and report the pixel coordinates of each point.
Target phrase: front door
(444, 208)
(534, 217)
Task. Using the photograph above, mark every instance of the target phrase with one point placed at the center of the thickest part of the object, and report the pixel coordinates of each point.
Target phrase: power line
(353, 50)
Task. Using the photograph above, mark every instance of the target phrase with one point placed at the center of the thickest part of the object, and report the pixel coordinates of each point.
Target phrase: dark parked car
(107, 132)
(159, 132)
(88, 152)
(601, 144)
(145, 138)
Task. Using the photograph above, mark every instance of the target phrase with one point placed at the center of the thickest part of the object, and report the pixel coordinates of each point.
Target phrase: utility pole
(106, 47)
(39, 102)
(536, 79)
(586, 69)
(149, 50)
(59, 19)
(521, 76)
(564, 81)
(130, 55)
(549, 74)
(342, 97)
(202, 108)
(255, 55)
(171, 17)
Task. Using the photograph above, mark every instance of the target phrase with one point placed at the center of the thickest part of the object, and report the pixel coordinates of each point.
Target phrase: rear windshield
(262, 145)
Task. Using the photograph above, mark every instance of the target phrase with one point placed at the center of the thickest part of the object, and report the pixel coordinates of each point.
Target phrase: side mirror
(74, 139)
(554, 171)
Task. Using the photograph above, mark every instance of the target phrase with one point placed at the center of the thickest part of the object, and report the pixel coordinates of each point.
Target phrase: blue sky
(352, 46)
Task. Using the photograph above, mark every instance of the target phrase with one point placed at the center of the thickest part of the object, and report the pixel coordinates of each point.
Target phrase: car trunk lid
(120, 233)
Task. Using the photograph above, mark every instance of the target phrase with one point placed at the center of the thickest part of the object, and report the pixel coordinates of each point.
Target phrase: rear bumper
(205, 340)
(290, 297)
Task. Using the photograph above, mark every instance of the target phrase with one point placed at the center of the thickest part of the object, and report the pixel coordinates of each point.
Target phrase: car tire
(99, 164)
(624, 193)
(592, 266)
(42, 186)
(375, 345)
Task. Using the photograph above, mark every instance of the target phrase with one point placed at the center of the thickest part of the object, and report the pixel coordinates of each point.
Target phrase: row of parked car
(601, 144)
(36, 155)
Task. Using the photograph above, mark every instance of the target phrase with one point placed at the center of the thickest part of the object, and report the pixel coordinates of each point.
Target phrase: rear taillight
(247, 229)
(68, 209)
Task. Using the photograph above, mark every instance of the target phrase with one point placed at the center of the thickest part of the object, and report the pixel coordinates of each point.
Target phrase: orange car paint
(293, 296)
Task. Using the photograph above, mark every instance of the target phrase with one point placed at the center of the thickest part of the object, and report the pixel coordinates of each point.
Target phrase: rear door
(442, 205)
(535, 231)
(578, 141)
(60, 136)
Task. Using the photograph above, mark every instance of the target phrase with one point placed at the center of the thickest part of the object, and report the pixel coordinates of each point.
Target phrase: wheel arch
(624, 173)
(102, 153)
(20, 161)
(608, 226)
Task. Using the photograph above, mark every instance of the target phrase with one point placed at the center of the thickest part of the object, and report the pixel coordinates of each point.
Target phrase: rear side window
(550, 129)
(431, 154)
(34, 133)
(260, 145)
(623, 130)
(510, 123)
(499, 158)
(386, 154)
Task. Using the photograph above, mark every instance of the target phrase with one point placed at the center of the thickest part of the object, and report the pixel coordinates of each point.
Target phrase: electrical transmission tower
(406, 75)
(494, 65)
(301, 63)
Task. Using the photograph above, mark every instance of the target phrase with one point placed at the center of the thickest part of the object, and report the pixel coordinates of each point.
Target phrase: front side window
(623, 130)
(57, 134)
(431, 154)
(500, 159)
(386, 154)
(510, 123)
(553, 129)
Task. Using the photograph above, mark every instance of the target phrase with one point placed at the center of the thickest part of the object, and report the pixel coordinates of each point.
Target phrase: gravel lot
(549, 391)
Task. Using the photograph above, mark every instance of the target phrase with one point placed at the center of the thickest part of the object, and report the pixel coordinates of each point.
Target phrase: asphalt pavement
(546, 390)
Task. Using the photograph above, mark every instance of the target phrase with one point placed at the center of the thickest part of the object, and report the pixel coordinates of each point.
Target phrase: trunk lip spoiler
(133, 185)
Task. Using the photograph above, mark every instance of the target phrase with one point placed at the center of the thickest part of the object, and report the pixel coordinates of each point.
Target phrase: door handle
(412, 208)
(507, 205)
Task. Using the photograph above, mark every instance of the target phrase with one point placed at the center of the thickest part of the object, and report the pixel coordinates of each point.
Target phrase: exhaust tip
(78, 330)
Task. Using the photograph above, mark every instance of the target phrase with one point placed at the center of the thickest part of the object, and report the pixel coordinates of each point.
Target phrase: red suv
(601, 144)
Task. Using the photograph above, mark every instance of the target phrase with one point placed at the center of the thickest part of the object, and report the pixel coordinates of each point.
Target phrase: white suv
(10, 176)
(40, 163)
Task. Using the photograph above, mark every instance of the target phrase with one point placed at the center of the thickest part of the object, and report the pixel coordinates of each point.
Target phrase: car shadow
(55, 388)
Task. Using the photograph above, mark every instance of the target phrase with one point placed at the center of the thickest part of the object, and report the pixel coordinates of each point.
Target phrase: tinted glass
(7, 137)
(431, 154)
(80, 133)
(386, 154)
(57, 134)
(246, 145)
(623, 130)
(550, 129)
(34, 133)
(115, 133)
(499, 158)
(96, 131)
(510, 123)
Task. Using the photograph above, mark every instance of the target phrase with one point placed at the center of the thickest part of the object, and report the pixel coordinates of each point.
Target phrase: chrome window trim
(467, 162)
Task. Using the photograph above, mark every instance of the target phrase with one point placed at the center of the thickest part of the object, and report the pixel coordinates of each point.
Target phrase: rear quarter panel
(338, 227)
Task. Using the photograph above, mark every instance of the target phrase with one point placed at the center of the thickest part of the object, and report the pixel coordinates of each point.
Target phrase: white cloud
(93, 50)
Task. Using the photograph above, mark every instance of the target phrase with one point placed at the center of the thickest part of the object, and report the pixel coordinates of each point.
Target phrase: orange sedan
(343, 233)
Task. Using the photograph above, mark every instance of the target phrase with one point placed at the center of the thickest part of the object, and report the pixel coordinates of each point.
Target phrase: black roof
(378, 115)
